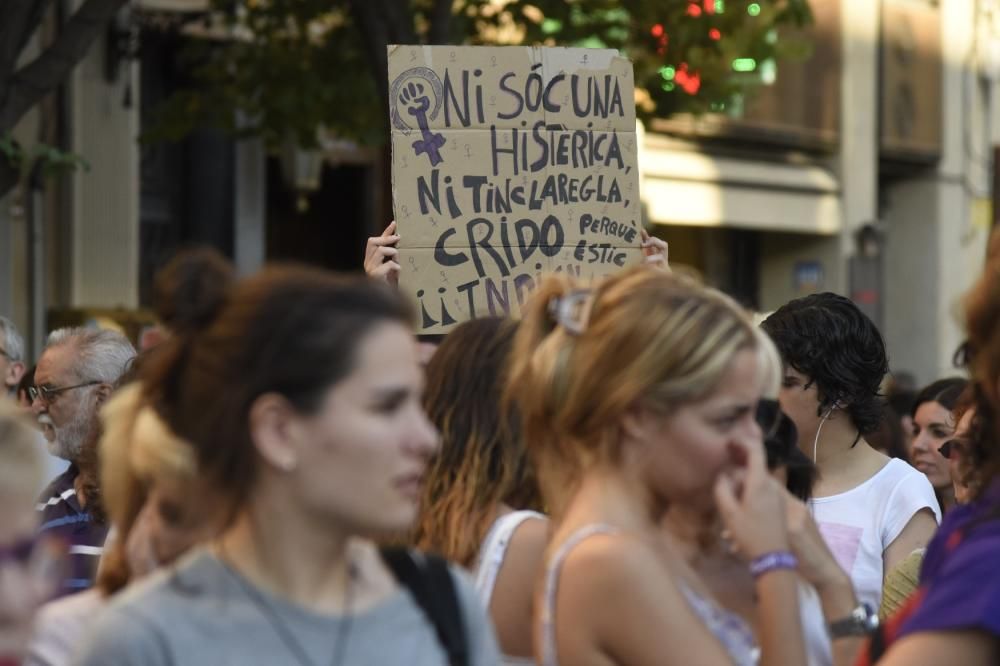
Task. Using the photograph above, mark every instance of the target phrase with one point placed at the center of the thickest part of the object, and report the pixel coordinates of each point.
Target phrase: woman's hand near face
(751, 504)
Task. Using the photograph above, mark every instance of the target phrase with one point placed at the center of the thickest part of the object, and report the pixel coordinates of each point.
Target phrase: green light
(668, 86)
(753, 9)
(744, 65)
(720, 6)
(668, 73)
(550, 26)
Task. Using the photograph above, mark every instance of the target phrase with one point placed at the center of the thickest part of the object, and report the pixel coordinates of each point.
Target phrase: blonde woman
(825, 591)
(636, 395)
(147, 475)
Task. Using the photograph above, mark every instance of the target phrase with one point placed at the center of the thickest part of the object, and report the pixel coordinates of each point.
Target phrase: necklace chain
(281, 628)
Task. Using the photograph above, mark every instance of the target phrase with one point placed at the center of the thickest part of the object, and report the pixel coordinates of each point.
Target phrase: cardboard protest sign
(508, 163)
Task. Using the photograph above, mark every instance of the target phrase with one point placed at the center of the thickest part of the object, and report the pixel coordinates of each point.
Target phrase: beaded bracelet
(773, 561)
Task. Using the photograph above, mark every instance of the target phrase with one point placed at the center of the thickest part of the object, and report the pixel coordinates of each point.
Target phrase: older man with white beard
(75, 376)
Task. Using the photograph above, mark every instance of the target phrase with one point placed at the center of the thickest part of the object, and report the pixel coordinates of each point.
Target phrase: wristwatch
(862, 621)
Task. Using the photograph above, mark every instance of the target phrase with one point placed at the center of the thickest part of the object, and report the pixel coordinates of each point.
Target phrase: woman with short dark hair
(873, 511)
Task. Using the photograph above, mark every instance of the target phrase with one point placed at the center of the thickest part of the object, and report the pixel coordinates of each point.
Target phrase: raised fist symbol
(414, 99)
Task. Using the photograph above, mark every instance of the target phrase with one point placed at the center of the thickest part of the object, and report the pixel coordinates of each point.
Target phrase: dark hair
(829, 340)
(482, 460)
(781, 444)
(889, 436)
(289, 329)
(901, 400)
(945, 392)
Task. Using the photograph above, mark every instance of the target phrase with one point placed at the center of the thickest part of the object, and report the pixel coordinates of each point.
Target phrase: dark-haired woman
(480, 501)
(299, 392)
(933, 425)
(873, 511)
(955, 616)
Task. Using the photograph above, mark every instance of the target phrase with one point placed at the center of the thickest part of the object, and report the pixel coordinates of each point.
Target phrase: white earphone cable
(818, 431)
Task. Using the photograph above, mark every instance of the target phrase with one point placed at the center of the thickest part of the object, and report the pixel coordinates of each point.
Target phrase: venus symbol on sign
(417, 104)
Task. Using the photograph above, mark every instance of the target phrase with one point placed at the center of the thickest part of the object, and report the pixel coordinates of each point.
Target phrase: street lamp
(302, 169)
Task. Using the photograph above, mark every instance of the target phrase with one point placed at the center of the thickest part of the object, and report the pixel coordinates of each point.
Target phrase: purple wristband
(773, 561)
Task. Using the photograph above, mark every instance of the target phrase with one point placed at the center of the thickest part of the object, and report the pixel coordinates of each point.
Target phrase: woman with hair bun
(637, 394)
(873, 511)
(299, 393)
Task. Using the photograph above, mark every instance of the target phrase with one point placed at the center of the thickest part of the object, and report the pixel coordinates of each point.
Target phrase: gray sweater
(199, 615)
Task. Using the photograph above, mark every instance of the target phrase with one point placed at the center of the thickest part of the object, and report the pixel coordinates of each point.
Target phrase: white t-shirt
(858, 525)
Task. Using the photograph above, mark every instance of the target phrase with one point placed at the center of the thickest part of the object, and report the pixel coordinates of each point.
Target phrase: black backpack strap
(433, 589)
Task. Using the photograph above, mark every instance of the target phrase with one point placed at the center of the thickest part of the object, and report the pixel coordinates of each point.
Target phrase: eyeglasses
(48, 394)
(952, 447)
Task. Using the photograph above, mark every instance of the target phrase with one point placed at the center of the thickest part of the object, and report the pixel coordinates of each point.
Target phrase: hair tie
(572, 310)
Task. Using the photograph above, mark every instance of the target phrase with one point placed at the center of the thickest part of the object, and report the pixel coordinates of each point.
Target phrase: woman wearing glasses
(637, 395)
(299, 392)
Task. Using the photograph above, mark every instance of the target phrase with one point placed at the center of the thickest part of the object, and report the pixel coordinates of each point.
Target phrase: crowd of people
(631, 473)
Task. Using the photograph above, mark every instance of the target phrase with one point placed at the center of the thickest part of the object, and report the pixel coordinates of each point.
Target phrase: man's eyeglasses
(48, 394)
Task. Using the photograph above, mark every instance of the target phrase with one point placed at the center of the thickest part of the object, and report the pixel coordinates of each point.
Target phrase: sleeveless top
(491, 556)
(732, 632)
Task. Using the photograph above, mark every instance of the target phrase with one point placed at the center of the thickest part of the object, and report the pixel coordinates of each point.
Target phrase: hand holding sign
(526, 185)
(381, 254)
(656, 251)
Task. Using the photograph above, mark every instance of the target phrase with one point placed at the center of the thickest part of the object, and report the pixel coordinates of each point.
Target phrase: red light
(657, 30)
(694, 10)
(709, 6)
(715, 34)
(689, 83)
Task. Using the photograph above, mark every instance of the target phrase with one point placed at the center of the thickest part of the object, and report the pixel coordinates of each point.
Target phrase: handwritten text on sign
(508, 163)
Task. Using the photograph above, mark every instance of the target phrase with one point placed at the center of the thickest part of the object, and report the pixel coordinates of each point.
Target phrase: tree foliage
(25, 81)
(290, 66)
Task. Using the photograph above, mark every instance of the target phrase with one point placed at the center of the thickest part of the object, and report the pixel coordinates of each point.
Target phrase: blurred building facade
(864, 169)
